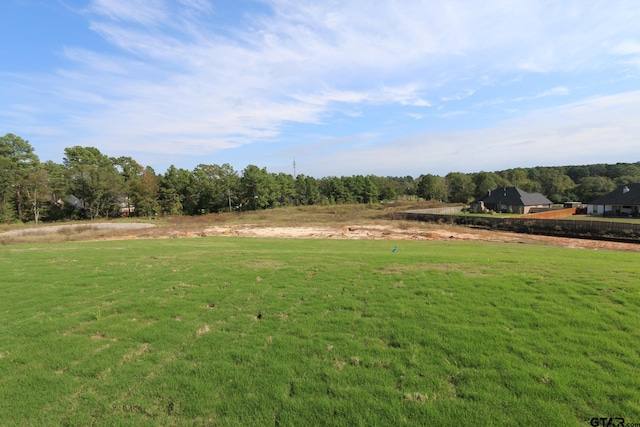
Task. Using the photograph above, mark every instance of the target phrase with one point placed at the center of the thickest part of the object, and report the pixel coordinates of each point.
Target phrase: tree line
(89, 184)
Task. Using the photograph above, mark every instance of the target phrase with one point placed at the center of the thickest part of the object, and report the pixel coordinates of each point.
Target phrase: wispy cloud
(174, 77)
(467, 93)
(416, 116)
(556, 91)
(627, 47)
(603, 128)
(144, 12)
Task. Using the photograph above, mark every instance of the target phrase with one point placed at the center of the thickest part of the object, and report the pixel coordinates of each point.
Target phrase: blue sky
(390, 87)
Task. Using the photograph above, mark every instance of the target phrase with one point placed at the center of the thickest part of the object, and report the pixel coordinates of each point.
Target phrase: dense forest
(89, 185)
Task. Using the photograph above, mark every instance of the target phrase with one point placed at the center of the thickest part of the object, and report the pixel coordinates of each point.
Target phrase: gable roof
(513, 196)
(627, 195)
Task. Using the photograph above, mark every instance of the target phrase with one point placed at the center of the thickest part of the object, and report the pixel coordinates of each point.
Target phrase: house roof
(627, 195)
(513, 196)
(74, 201)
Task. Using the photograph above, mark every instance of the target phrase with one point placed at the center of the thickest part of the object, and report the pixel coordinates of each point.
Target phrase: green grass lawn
(240, 331)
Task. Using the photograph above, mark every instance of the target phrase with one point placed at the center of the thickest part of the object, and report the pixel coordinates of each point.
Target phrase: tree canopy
(89, 184)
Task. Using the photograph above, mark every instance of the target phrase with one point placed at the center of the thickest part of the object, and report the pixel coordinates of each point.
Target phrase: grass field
(240, 331)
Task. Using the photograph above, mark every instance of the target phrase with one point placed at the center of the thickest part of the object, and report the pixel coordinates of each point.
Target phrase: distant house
(623, 201)
(72, 201)
(510, 199)
(124, 206)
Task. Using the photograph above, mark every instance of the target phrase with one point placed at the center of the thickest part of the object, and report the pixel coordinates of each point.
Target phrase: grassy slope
(232, 331)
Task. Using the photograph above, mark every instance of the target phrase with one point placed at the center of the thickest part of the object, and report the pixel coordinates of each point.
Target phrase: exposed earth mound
(391, 231)
(381, 232)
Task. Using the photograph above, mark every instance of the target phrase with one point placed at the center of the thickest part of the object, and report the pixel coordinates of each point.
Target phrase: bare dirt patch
(390, 232)
(130, 356)
(375, 229)
(200, 332)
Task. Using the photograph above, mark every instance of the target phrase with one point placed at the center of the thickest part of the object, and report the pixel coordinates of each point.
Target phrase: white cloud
(598, 130)
(451, 114)
(559, 90)
(171, 82)
(416, 116)
(467, 93)
(556, 91)
(627, 47)
(201, 6)
(145, 12)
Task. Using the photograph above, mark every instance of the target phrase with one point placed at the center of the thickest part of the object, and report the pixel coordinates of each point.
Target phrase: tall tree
(130, 171)
(355, 186)
(177, 194)
(556, 185)
(406, 186)
(460, 187)
(623, 169)
(58, 187)
(431, 187)
(592, 187)
(145, 193)
(370, 191)
(91, 156)
(207, 193)
(487, 181)
(17, 162)
(286, 189)
(94, 180)
(36, 192)
(333, 189)
(259, 188)
(230, 183)
(7, 191)
(307, 190)
(387, 189)
(217, 187)
(577, 173)
(518, 177)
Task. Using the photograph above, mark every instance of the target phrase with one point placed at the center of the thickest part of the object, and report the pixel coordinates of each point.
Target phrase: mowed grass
(240, 331)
